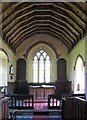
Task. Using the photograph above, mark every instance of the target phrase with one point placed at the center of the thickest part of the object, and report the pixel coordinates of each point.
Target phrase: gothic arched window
(41, 67)
(79, 85)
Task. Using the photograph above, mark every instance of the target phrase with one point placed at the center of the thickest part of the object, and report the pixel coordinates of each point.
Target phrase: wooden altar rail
(21, 101)
(54, 101)
(74, 108)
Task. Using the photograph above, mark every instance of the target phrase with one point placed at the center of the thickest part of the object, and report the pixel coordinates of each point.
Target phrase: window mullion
(38, 71)
(44, 71)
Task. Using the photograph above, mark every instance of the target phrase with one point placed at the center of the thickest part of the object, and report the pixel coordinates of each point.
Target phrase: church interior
(43, 61)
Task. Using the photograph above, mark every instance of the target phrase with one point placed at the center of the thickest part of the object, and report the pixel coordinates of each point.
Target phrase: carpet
(40, 104)
(38, 117)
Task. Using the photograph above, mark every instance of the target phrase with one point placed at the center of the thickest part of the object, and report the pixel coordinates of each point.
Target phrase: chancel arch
(79, 82)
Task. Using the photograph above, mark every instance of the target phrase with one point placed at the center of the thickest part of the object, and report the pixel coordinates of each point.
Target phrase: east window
(41, 67)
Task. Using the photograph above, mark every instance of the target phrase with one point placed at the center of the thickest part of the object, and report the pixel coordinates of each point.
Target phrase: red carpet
(40, 104)
(40, 117)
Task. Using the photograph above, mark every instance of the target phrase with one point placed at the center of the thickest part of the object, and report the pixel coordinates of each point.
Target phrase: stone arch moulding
(1, 49)
(41, 42)
(77, 59)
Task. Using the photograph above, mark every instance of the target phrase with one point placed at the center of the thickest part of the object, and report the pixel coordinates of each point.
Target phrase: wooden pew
(69, 106)
(80, 109)
(4, 108)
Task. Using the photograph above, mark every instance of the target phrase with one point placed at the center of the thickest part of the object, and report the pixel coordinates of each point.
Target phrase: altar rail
(54, 101)
(21, 101)
(74, 108)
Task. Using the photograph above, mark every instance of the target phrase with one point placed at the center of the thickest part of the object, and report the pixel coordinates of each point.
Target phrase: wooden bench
(20, 102)
(70, 106)
(80, 109)
(4, 108)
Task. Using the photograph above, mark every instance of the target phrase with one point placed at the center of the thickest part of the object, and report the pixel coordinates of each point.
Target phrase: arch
(61, 69)
(77, 59)
(53, 61)
(21, 69)
(1, 49)
(3, 68)
(41, 42)
(79, 82)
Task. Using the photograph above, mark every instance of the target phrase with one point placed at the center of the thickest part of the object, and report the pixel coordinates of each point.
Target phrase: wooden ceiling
(65, 21)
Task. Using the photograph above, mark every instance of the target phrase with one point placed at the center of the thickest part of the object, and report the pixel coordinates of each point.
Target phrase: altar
(41, 91)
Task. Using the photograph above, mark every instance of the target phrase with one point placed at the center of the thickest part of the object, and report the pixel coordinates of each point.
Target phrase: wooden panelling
(41, 91)
(74, 108)
(4, 108)
(62, 87)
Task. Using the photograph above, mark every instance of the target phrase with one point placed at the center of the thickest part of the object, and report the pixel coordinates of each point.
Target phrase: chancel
(43, 47)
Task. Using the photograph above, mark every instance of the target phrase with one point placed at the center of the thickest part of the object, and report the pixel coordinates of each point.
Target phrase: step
(39, 112)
